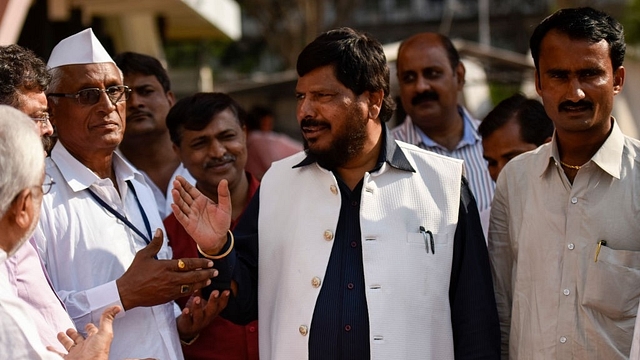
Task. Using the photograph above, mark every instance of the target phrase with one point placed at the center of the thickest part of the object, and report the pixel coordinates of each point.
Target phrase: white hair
(21, 155)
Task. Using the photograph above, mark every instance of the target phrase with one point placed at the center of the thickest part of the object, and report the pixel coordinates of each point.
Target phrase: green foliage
(631, 22)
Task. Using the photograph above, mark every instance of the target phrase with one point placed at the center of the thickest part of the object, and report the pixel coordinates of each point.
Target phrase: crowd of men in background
(443, 237)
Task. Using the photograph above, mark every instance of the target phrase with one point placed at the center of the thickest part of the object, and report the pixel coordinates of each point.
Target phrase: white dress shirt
(18, 334)
(164, 199)
(559, 294)
(86, 248)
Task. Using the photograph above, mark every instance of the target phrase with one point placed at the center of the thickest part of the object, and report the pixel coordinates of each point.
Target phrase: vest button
(328, 235)
(334, 189)
(303, 330)
(315, 282)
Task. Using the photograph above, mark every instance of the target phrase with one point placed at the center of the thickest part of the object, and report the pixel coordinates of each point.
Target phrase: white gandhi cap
(81, 48)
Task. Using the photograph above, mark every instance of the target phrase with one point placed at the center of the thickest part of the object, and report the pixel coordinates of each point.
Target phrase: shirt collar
(79, 177)
(391, 153)
(470, 134)
(608, 157)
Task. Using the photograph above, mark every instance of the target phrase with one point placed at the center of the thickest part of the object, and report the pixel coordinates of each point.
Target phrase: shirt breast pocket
(612, 284)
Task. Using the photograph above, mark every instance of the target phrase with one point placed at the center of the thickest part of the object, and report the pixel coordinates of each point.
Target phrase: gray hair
(21, 155)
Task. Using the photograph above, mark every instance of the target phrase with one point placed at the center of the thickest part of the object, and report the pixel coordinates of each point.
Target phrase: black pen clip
(428, 240)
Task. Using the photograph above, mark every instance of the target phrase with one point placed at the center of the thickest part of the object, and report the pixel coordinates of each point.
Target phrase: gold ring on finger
(181, 264)
(184, 289)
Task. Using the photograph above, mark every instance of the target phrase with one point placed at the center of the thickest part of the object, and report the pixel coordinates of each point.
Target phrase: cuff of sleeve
(101, 297)
(225, 267)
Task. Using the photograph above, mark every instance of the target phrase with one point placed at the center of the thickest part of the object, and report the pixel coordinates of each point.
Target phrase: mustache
(424, 96)
(226, 158)
(137, 112)
(567, 105)
(312, 122)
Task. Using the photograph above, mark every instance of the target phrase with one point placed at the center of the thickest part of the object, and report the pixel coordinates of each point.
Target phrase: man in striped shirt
(430, 76)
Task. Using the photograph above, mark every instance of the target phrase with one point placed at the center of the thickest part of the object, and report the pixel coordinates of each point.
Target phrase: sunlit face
(34, 104)
(577, 83)
(84, 129)
(502, 145)
(333, 120)
(428, 85)
(148, 105)
(219, 151)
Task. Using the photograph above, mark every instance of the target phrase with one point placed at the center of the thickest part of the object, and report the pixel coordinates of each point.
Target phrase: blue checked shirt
(469, 149)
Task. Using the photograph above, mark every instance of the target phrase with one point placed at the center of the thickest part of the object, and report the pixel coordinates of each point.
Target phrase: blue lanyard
(123, 218)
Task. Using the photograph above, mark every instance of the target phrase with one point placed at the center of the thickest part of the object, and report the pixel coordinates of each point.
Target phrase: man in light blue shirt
(430, 75)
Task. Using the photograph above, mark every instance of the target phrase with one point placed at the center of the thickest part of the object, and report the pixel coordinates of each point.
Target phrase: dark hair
(358, 61)
(535, 125)
(255, 115)
(20, 68)
(583, 23)
(134, 63)
(452, 52)
(196, 112)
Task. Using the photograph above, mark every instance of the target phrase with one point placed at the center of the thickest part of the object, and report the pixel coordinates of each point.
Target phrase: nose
(105, 103)
(422, 84)
(305, 109)
(134, 100)
(46, 129)
(217, 149)
(575, 92)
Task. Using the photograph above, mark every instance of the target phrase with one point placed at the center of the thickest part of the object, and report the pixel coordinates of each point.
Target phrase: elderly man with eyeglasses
(99, 233)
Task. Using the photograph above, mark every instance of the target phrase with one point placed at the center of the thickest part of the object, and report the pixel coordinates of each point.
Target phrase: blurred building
(492, 36)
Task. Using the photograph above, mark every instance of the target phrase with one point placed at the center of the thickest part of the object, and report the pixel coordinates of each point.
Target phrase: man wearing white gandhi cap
(100, 234)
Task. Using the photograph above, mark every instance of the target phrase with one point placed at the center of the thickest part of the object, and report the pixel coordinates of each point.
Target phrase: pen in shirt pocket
(601, 243)
(428, 239)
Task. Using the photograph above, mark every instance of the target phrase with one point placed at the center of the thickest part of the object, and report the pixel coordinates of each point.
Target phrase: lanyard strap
(123, 218)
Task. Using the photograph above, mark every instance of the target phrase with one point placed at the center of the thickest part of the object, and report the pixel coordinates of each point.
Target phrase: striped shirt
(469, 149)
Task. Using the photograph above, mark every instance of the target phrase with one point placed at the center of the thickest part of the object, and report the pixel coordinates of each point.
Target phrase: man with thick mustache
(563, 238)
(430, 76)
(369, 248)
(209, 137)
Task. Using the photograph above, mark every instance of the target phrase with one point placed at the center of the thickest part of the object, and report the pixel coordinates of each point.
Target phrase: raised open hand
(206, 221)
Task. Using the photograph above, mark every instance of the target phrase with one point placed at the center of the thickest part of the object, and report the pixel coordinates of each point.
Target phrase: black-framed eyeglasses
(42, 119)
(91, 96)
(47, 184)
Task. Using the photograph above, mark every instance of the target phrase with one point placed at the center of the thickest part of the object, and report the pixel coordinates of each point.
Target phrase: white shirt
(164, 199)
(85, 249)
(555, 301)
(18, 334)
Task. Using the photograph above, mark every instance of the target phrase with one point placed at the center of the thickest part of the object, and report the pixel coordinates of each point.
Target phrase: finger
(217, 303)
(74, 335)
(54, 350)
(191, 264)
(65, 341)
(224, 196)
(90, 329)
(185, 190)
(151, 250)
(197, 310)
(106, 319)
